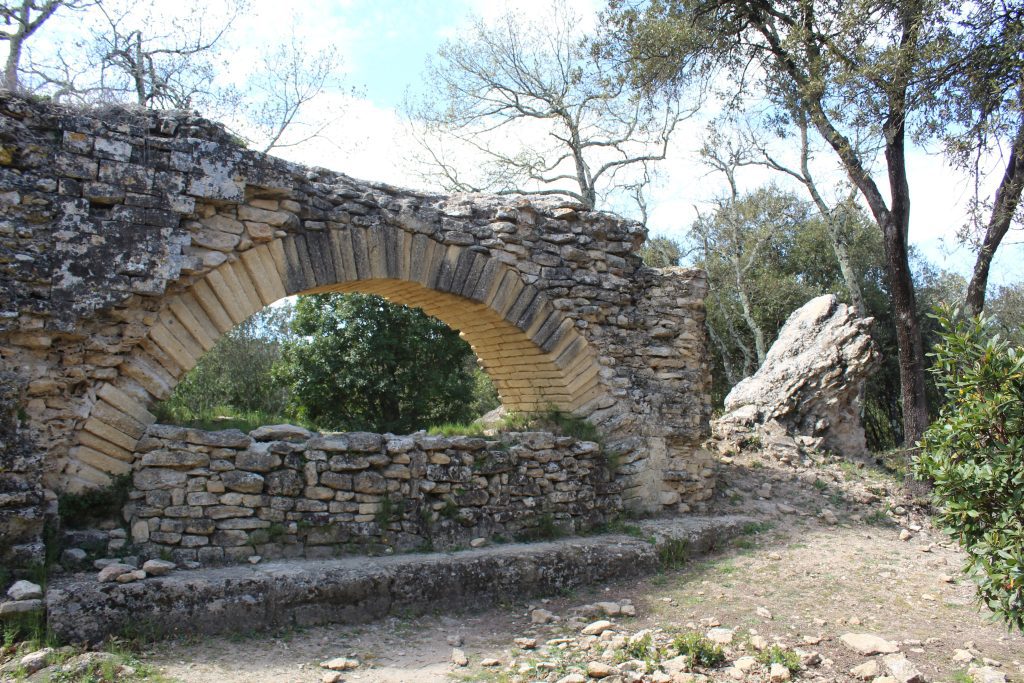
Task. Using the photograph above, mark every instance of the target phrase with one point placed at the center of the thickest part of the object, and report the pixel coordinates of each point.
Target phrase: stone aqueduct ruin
(130, 241)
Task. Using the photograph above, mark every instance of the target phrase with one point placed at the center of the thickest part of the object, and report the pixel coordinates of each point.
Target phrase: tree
(161, 62)
(289, 80)
(661, 252)
(360, 363)
(768, 251)
(235, 376)
(166, 57)
(744, 245)
(525, 108)
(21, 20)
(857, 70)
(980, 98)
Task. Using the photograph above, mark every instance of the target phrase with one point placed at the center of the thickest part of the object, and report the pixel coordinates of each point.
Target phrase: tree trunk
(1006, 203)
(908, 335)
(11, 67)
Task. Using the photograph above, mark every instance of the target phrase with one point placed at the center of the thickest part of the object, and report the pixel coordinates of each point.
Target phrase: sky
(383, 47)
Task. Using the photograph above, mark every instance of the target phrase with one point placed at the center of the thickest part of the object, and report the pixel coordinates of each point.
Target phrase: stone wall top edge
(127, 121)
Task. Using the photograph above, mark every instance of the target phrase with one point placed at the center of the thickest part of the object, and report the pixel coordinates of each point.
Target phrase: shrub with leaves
(698, 649)
(974, 455)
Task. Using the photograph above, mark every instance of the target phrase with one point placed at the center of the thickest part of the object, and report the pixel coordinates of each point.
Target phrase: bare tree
(835, 215)
(290, 79)
(21, 20)
(177, 60)
(524, 107)
(159, 63)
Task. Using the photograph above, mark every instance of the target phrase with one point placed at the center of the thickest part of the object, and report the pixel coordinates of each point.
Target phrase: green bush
(973, 455)
(698, 649)
(780, 655)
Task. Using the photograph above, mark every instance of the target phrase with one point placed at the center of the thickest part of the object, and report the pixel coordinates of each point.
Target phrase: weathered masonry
(281, 491)
(131, 240)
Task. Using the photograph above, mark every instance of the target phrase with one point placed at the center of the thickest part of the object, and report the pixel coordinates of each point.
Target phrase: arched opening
(337, 362)
(533, 353)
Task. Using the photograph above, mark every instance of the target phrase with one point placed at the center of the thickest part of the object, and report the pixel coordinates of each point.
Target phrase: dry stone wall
(281, 491)
(131, 240)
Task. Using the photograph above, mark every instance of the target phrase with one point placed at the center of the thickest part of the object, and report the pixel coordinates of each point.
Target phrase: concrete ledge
(359, 589)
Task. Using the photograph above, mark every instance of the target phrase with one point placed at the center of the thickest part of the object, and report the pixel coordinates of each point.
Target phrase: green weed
(673, 553)
(778, 655)
(698, 649)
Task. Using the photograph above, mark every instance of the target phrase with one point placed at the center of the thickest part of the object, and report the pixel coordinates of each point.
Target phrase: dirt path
(796, 579)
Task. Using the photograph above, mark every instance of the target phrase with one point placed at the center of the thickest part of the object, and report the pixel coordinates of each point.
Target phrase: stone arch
(531, 350)
(134, 239)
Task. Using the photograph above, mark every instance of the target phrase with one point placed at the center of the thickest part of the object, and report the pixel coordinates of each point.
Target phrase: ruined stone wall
(224, 496)
(23, 502)
(130, 241)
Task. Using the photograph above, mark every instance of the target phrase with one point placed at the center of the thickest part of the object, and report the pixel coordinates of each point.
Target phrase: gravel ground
(836, 553)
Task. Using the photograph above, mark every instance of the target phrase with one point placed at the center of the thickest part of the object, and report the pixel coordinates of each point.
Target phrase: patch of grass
(778, 655)
(819, 484)
(878, 517)
(78, 510)
(457, 429)
(750, 443)
(961, 676)
(751, 528)
(220, 417)
(551, 420)
(620, 525)
(450, 509)
(29, 629)
(698, 649)
(674, 553)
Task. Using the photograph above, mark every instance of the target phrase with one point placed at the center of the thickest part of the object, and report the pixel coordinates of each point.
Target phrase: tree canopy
(863, 74)
(523, 106)
(359, 363)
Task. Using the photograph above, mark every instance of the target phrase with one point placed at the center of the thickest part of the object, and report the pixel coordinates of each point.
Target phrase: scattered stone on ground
(868, 644)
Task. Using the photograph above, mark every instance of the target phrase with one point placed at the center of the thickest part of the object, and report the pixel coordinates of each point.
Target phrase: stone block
(158, 478)
(175, 458)
(369, 482)
(242, 482)
(256, 461)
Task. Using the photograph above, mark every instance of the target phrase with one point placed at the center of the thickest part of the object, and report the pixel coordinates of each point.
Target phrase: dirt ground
(835, 553)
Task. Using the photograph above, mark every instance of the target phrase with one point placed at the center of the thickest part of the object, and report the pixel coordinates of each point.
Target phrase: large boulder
(811, 378)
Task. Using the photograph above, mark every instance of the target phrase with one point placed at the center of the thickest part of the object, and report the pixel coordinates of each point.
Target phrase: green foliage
(673, 553)
(972, 455)
(661, 252)
(458, 429)
(79, 510)
(358, 362)
(780, 655)
(391, 510)
(235, 377)
(698, 649)
(642, 648)
(767, 252)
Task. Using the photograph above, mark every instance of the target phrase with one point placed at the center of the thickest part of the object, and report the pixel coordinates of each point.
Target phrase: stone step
(360, 589)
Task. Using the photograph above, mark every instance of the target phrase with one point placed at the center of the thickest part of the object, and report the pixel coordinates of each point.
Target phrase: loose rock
(868, 644)
(25, 590)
